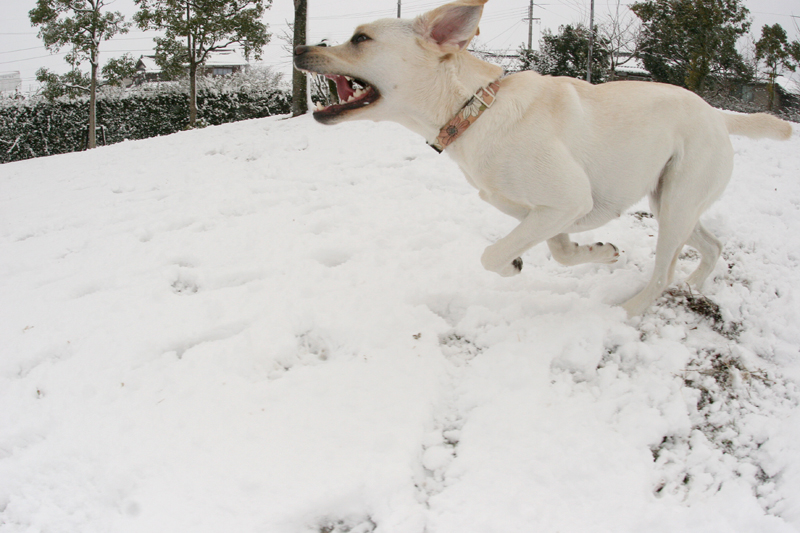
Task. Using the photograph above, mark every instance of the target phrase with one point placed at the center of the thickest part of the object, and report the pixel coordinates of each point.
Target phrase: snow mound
(282, 327)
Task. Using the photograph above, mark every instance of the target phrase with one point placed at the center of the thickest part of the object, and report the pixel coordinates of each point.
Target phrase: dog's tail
(758, 125)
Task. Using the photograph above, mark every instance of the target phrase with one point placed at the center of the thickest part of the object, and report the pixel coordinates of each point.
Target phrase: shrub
(37, 127)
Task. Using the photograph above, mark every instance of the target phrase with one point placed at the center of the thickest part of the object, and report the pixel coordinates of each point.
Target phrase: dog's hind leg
(684, 192)
(690, 182)
(571, 253)
(677, 220)
(710, 249)
(673, 233)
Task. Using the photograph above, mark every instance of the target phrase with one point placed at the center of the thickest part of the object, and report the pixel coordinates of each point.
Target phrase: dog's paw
(604, 252)
(511, 269)
(506, 270)
(637, 305)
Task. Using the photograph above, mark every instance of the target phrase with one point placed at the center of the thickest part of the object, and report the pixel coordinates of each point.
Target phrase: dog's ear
(451, 26)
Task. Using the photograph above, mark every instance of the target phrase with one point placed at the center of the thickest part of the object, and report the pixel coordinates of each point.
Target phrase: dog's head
(391, 68)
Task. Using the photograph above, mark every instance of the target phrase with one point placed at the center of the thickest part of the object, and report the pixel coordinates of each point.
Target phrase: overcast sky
(503, 28)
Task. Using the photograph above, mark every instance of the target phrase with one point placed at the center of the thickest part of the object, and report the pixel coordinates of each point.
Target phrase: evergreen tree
(794, 51)
(527, 57)
(692, 42)
(774, 50)
(195, 28)
(566, 54)
(119, 70)
(82, 25)
(75, 83)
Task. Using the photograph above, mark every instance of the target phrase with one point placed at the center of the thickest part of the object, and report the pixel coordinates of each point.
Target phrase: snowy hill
(275, 326)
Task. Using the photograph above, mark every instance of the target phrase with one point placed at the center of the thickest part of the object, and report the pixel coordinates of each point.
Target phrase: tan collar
(474, 108)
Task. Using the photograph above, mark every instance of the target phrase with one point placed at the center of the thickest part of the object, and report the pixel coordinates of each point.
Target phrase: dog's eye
(360, 38)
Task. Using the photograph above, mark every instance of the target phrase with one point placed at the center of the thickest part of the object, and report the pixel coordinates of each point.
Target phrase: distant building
(10, 82)
(225, 62)
(629, 67)
(787, 93)
(147, 70)
(220, 63)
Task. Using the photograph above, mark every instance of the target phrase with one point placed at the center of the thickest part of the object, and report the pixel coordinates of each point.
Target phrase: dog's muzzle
(305, 59)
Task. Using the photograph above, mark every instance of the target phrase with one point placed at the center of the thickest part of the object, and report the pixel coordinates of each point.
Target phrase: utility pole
(398, 8)
(591, 43)
(530, 20)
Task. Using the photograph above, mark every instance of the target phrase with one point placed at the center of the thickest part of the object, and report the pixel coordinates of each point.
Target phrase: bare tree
(621, 30)
(507, 59)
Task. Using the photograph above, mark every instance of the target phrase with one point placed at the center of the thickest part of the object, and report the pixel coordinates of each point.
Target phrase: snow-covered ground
(275, 326)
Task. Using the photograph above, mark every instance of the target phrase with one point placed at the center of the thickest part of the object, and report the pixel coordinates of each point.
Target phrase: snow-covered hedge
(36, 127)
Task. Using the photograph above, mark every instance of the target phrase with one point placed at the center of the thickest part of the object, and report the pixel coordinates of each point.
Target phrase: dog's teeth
(358, 93)
(320, 107)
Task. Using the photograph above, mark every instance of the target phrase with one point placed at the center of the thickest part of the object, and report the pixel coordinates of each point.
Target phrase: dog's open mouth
(353, 94)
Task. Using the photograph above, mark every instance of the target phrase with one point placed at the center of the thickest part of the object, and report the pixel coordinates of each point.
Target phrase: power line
(57, 54)
(31, 58)
(513, 26)
(22, 50)
(775, 14)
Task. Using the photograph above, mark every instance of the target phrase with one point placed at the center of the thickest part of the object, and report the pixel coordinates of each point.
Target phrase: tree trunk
(591, 43)
(771, 91)
(699, 69)
(299, 80)
(190, 46)
(192, 94)
(92, 138)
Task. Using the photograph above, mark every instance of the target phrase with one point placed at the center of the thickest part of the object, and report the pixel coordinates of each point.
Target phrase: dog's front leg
(540, 224)
(509, 208)
(515, 210)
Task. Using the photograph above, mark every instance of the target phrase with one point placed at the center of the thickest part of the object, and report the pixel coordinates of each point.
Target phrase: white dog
(558, 154)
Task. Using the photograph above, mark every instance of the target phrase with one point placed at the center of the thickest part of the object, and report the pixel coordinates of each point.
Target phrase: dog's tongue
(342, 87)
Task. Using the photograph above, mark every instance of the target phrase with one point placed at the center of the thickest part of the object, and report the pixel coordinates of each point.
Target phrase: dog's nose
(302, 49)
